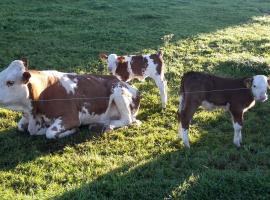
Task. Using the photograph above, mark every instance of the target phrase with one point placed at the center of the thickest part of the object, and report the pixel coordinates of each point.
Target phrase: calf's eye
(254, 86)
(10, 83)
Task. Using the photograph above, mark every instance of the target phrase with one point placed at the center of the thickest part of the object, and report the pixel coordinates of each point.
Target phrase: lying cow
(209, 91)
(127, 68)
(56, 104)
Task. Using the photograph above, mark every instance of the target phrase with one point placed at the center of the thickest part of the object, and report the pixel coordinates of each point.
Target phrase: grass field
(229, 38)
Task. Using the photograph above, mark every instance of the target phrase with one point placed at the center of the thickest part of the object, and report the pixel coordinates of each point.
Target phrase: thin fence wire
(102, 98)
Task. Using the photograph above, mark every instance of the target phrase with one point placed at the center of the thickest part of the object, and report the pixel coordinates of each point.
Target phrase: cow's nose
(263, 97)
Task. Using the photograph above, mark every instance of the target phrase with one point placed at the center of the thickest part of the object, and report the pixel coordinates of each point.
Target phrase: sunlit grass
(228, 38)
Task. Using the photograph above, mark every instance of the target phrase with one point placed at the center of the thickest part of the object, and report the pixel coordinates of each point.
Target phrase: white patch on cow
(112, 59)
(181, 103)
(151, 68)
(250, 106)
(67, 133)
(23, 123)
(210, 106)
(185, 137)
(259, 88)
(237, 134)
(54, 129)
(69, 84)
(86, 118)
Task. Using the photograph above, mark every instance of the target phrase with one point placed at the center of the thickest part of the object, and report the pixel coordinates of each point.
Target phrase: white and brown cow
(56, 104)
(209, 91)
(127, 68)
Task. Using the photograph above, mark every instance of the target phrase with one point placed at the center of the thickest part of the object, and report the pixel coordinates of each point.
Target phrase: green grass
(229, 38)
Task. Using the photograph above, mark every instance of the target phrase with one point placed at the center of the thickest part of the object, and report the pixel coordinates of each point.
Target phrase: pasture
(228, 38)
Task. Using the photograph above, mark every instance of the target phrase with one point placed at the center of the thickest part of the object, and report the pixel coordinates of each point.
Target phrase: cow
(56, 104)
(211, 92)
(127, 68)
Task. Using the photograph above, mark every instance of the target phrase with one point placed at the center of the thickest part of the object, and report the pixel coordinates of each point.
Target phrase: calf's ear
(248, 82)
(25, 62)
(25, 77)
(103, 56)
(268, 81)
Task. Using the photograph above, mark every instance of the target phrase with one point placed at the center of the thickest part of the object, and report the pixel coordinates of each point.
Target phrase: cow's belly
(210, 106)
(90, 118)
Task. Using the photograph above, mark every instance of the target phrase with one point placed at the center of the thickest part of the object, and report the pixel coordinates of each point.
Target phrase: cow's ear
(160, 53)
(248, 82)
(103, 56)
(25, 77)
(25, 62)
(268, 81)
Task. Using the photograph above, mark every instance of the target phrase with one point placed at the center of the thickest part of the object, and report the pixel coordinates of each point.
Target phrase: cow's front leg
(237, 126)
(23, 123)
(36, 126)
(62, 126)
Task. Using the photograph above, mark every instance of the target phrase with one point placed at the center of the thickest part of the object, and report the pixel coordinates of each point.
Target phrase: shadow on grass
(175, 175)
(17, 147)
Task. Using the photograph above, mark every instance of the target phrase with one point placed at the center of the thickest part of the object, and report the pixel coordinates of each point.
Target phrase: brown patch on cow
(138, 65)
(158, 60)
(122, 68)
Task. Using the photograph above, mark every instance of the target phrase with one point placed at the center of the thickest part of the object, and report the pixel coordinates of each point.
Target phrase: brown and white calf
(127, 68)
(209, 91)
(56, 104)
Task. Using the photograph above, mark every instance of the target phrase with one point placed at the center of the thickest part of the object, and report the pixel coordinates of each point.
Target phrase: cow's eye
(10, 83)
(254, 86)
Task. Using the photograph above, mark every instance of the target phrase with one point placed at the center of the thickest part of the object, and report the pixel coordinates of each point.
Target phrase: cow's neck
(38, 82)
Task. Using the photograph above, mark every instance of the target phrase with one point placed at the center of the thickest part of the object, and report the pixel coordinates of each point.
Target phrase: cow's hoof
(107, 129)
(137, 122)
(237, 143)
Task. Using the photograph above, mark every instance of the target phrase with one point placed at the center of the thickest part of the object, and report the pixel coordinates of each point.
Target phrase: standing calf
(139, 67)
(209, 91)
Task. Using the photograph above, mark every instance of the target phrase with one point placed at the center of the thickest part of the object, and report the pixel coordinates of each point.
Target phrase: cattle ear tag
(248, 82)
(25, 77)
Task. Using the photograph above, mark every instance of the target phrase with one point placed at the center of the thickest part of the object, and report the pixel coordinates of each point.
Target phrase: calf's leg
(62, 126)
(162, 86)
(122, 98)
(237, 126)
(185, 114)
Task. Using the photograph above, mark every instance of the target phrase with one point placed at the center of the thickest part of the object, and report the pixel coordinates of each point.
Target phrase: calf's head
(258, 85)
(13, 88)
(111, 61)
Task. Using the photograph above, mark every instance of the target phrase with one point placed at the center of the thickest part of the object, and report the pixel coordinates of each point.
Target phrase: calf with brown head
(209, 91)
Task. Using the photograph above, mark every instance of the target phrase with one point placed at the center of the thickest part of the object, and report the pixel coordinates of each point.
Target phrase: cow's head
(111, 61)
(258, 85)
(13, 89)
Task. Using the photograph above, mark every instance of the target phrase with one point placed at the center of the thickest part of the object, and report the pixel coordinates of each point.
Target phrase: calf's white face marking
(112, 62)
(259, 88)
(14, 92)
